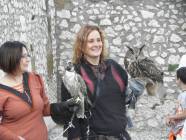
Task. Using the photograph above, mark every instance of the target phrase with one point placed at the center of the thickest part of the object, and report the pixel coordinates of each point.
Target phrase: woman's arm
(179, 116)
(59, 115)
(63, 116)
(46, 109)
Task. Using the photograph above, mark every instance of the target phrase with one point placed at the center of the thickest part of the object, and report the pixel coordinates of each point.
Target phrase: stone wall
(33, 23)
(49, 30)
(29, 22)
(160, 24)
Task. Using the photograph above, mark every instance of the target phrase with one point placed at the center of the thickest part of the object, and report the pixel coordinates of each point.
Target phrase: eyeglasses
(25, 56)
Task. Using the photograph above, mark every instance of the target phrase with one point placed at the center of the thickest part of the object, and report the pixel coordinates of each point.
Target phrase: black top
(106, 89)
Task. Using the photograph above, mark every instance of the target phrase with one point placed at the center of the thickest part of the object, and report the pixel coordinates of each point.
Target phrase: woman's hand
(71, 105)
(21, 138)
(167, 120)
(170, 121)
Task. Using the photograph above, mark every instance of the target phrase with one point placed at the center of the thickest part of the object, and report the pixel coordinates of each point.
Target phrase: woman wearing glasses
(23, 102)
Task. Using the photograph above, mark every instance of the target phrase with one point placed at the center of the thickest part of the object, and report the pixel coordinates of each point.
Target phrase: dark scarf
(98, 70)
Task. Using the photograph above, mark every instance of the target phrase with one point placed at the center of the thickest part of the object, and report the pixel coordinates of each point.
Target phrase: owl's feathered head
(134, 53)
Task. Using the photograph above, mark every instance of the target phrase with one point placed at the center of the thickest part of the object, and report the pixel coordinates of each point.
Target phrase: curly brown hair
(81, 42)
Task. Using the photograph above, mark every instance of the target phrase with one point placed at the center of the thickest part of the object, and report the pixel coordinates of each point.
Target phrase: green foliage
(172, 67)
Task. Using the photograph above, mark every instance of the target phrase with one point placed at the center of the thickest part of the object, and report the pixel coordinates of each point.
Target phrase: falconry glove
(62, 112)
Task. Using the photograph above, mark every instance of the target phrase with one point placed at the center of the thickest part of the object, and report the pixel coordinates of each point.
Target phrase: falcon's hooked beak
(69, 66)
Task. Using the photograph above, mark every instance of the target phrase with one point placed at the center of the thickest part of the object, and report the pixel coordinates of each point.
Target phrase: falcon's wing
(71, 83)
(83, 87)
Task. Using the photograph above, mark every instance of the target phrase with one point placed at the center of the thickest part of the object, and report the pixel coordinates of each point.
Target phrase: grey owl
(139, 66)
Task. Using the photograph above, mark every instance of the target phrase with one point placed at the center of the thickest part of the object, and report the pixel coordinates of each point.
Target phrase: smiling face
(24, 61)
(94, 46)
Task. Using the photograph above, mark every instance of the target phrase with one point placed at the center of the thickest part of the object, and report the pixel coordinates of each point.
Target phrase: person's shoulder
(182, 95)
(114, 63)
(35, 79)
(33, 74)
(111, 62)
(3, 79)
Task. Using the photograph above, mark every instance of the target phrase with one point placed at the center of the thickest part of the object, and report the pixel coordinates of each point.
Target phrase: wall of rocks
(29, 22)
(48, 28)
(160, 24)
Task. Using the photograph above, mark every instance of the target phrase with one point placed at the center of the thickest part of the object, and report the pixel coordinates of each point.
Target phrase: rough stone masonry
(49, 27)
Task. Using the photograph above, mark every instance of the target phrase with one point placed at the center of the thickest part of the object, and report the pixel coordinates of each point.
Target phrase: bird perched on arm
(76, 87)
(139, 66)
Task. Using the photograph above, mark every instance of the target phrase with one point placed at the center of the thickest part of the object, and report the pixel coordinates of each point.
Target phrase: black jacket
(108, 97)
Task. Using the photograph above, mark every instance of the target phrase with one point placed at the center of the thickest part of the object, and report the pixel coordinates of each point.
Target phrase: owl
(139, 66)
